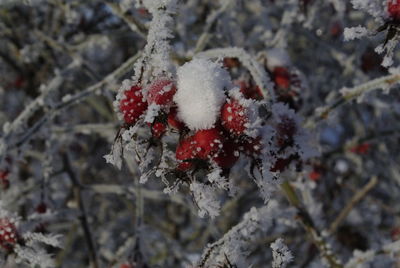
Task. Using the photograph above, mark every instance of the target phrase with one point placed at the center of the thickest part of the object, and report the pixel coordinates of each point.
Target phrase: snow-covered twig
(257, 71)
(348, 94)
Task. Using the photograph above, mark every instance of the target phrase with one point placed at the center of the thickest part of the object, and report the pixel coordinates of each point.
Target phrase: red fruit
(231, 63)
(286, 129)
(251, 146)
(157, 129)
(395, 233)
(41, 208)
(173, 120)
(8, 234)
(185, 151)
(250, 91)
(281, 77)
(161, 92)
(281, 164)
(361, 148)
(207, 143)
(126, 265)
(336, 29)
(314, 175)
(4, 179)
(234, 117)
(228, 156)
(132, 105)
(142, 11)
(394, 9)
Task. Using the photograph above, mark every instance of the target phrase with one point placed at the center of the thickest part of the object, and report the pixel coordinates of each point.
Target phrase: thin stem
(134, 24)
(83, 218)
(308, 225)
(356, 199)
(352, 93)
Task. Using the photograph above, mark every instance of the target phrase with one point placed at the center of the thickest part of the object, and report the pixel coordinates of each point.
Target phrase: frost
(48, 239)
(152, 112)
(200, 93)
(257, 70)
(157, 49)
(115, 156)
(360, 258)
(236, 244)
(34, 257)
(277, 57)
(373, 7)
(354, 33)
(215, 177)
(205, 199)
(281, 254)
(389, 48)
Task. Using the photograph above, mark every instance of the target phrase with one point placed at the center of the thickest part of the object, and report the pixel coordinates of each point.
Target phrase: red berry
(314, 175)
(126, 265)
(281, 164)
(8, 234)
(4, 179)
(281, 77)
(228, 156)
(394, 9)
(41, 208)
(250, 91)
(234, 117)
(161, 92)
(132, 105)
(207, 142)
(361, 148)
(173, 121)
(336, 29)
(157, 129)
(286, 129)
(142, 11)
(231, 63)
(395, 233)
(251, 146)
(185, 151)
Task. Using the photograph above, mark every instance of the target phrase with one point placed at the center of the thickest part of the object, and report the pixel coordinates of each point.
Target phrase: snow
(206, 199)
(200, 93)
(354, 33)
(373, 7)
(277, 57)
(281, 254)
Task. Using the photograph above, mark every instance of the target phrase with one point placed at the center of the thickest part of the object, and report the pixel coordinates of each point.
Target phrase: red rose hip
(161, 92)
(132, 105)
(234, 117)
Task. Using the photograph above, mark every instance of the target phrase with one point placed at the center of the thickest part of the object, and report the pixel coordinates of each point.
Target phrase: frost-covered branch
(257, 71)
(347, 94)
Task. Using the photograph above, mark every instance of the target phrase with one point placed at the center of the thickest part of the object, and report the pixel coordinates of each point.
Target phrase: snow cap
(200, 93)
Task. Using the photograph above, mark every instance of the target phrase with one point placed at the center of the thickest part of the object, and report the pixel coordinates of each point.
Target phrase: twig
(66, 102)
(352, 93)
(257, 71)
(356, 198)
(134, 24)
(211, 20)
(308, 225)
(83, 216)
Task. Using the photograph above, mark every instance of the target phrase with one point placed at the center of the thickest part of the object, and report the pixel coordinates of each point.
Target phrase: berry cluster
(220, 145)
(393, 7)
(8, 234)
